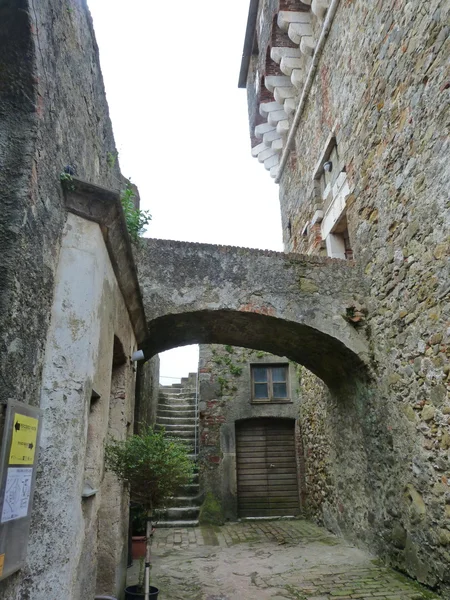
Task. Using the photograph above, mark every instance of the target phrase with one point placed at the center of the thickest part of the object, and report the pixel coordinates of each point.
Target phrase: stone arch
(326, 356)
(285, 304)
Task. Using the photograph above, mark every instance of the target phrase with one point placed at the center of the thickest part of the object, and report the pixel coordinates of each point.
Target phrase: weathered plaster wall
(383, 86)
(88, 310)
(53, 112)
(224, 398)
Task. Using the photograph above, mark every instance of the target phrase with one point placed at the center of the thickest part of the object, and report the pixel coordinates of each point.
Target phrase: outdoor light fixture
(328, 166)
(138, 355)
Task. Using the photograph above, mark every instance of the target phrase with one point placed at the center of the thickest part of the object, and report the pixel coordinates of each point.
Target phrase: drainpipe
(307, 87)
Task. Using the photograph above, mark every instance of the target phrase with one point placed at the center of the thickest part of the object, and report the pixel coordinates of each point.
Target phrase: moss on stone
(211, 512)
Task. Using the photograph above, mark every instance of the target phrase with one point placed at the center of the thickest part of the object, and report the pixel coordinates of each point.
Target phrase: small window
(269, 383)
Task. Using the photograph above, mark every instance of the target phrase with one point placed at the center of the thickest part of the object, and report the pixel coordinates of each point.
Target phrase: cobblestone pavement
(280, 560)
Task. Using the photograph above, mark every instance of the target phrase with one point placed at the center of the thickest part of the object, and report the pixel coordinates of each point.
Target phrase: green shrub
(153, 465)
(136, 219)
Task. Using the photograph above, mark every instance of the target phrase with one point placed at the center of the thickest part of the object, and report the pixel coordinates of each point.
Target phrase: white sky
(181, 126)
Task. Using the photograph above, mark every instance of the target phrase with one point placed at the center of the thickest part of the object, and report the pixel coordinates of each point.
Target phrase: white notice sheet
(17, 494)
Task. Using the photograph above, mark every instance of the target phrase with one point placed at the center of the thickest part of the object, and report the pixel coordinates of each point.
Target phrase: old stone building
(71, 312)
(250, 454)
(348, 109)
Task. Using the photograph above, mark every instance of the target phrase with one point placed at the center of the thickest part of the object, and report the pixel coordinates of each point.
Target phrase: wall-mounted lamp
(138, 355)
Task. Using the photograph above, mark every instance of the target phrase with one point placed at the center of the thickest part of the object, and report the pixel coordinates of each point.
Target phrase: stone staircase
(177, 413)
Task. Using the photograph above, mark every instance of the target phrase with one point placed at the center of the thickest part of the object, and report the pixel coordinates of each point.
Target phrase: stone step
(181, 513)
(178, 392)
(177, 408)
(170, 421)
(176, 405)
(191, 488)
(185, 501)
(180, 524)
(186, 434)
(186, 395)
(186, 414)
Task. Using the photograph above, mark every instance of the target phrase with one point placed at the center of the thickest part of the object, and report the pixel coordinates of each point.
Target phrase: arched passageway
(289, 305)
(324, 355)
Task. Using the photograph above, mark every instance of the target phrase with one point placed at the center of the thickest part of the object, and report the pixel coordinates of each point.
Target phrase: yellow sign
(2, 562)
(23, 444)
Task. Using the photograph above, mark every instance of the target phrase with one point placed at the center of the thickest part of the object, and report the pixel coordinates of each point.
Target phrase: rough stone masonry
(377, 463)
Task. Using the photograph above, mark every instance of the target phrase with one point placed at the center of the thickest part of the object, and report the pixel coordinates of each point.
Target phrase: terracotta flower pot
(138, 546)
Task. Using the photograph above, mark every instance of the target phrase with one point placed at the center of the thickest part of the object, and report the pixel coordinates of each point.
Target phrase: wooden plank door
(266, 468)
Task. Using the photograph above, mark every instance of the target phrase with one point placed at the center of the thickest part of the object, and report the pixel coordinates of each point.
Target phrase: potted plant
(138, 518)
(153, 466)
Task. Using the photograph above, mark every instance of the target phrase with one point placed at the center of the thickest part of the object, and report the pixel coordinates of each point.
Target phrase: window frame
(270, 399)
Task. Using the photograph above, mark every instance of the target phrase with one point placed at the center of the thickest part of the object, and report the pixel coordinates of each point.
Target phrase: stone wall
(80, 513)
(224, 399)
(382, 89)
(53, 114)
(147, 391)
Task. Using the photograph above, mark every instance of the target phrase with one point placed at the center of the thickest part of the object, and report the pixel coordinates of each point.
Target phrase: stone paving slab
(276, 560)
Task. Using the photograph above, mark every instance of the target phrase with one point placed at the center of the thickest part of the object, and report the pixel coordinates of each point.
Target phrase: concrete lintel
(281, 94)
(99, 204)
(272, 161)
(290, 105)
(271, 136)
(277, 115)
(297, 31)
(283, 126)
(277, 145)
(287, 17)
(319, 8)
(273, 81)
(307, 45)
(262, 129)
(274, 171)
(298, 78)
(289, 63)
(277, 53)
(257, 149)
(267, 107)
(265, 154)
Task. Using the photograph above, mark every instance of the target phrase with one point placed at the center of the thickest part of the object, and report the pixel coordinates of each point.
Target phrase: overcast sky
(181, 127)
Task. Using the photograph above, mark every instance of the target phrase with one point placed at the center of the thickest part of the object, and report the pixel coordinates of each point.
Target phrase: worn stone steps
(188, 523)
(174, 421)
(174, 413)
(187, 501)
(183, 513)
(177, 414)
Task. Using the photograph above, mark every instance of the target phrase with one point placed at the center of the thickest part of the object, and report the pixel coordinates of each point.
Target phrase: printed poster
(17, 494)
(23, 444)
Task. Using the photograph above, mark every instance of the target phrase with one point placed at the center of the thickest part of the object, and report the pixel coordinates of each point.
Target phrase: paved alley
(280, 560)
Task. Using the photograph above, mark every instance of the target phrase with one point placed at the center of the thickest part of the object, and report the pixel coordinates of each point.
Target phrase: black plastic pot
(131, 593)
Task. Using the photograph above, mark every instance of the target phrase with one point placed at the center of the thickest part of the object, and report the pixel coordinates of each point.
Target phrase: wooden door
(266, 468)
